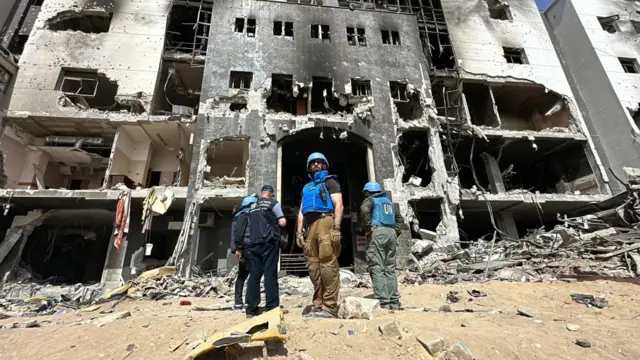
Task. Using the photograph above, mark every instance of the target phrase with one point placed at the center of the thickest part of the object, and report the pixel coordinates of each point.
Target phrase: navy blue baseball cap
(268, 188)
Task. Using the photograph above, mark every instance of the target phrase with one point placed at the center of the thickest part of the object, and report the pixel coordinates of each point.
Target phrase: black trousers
(264, 262)
(244, 269)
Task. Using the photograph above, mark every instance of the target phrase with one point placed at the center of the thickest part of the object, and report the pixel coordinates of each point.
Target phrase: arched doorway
(350, 158)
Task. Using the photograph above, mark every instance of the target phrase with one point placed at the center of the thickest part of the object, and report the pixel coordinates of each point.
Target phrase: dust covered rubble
(604, 243)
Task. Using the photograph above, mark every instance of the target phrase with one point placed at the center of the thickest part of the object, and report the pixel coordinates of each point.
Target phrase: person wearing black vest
(265, 220)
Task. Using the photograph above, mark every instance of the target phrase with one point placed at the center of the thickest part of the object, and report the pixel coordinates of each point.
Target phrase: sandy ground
(155, 327)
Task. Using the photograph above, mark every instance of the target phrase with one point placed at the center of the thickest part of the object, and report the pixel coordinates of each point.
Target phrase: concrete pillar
(35, 158)
(506, 223)
(493, 173)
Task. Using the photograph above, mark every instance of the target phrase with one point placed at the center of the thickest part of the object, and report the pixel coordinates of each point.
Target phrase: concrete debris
(573, 327)
(433, 346)
(357, 308)
(525, 312)
(421, 247)
(172, 287)
(100, 322)
(31, 324)
(602, 244)
(391, 329)
(427, 234)
(445, 308)
(32, 299)
(458, 351)
(583, 343)
(304, 356)
(590, 300)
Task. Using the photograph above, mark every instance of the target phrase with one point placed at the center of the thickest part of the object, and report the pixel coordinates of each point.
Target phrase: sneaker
(385, 306)
(239, 308)
(395, 307)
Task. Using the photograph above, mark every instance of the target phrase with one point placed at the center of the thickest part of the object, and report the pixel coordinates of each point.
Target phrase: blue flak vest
(263, 224)
(384, 212)
(312, 194)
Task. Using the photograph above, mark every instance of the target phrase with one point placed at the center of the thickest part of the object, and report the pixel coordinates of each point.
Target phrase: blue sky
(542, 4)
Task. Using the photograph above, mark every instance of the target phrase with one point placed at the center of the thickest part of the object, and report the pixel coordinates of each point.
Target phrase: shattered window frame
(361, 87)
(398, 91)
(515, 55)
(320, 32)
(238, 80)
(252, 26)
(361, 36)
(629, 65)
(5, 79)
(351, 36)
(608, 23)
(395, 38)
(79, 79)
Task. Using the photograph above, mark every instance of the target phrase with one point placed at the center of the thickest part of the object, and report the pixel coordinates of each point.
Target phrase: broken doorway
(70, 247)
(413, 149)
(347, 160)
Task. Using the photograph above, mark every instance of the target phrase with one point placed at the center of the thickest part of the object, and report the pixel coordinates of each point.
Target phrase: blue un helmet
(248, 200)
(316, 156)
(372, 187)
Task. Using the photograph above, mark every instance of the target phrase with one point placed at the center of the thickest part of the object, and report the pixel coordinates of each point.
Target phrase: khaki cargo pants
(322, 260)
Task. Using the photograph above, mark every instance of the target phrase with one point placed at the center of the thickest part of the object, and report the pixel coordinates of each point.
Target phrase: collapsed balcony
(552, 166)
(413, 150)
(516, 107)
(227, 161)
(148, 155)
(87, 89)
(178, 91)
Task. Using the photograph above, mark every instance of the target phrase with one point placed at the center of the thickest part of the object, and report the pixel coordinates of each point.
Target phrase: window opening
(240, 80)
(514, 55)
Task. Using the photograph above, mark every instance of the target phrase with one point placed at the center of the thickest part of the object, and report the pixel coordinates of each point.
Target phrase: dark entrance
(348, 160)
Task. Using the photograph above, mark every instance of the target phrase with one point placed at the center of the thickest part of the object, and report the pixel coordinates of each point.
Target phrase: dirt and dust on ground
(548, 326)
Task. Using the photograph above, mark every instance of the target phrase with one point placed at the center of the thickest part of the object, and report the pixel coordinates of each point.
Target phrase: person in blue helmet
(321, 211)
(382, 224)
(240, 245)
(266, 222)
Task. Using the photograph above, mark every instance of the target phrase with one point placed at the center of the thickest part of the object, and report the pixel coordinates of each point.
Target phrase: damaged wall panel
(136, 29)
(608, 91)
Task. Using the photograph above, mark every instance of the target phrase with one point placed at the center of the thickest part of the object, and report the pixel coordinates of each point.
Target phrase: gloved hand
(335, 234)
(300, 239)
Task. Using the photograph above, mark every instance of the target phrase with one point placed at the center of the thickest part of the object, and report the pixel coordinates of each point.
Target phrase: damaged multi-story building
(598, 43)
(461, 109)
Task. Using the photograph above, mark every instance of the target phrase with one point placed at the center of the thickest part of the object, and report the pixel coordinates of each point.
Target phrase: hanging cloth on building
(158, 201)
(123, 212)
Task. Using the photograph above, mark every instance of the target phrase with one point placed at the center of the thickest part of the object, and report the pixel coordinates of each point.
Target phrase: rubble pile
(604, 243)
(31, 299)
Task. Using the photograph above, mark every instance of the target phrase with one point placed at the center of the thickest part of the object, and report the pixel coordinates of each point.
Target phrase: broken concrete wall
(607, 93)
(478, 41)
(302, 57)
(129, 54)
(8, 71)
